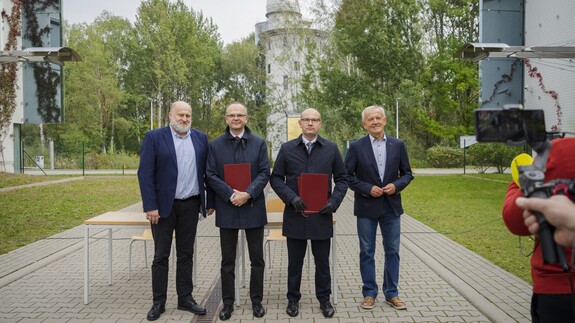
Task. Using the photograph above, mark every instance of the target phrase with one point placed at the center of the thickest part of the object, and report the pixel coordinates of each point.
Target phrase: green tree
(373, 50)
(243, 80)
(93, 87)
(174, 56)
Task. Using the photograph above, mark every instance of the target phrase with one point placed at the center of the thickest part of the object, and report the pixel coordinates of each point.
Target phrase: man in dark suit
(171, 177)
(378, 169)
(240, 208)
(309, 153)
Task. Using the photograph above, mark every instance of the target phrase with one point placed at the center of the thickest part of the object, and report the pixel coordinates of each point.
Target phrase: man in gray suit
(378, 169)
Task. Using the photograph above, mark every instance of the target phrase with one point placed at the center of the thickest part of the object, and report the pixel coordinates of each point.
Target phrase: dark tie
(237, 149)
(309, 147)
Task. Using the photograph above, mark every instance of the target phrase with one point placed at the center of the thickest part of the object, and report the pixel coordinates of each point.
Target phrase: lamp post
(397, 117)
(151, 114)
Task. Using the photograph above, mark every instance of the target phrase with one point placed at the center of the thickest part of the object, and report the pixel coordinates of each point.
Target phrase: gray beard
(179, 128)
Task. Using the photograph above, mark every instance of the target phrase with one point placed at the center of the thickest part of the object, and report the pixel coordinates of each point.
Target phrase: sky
(236, 19)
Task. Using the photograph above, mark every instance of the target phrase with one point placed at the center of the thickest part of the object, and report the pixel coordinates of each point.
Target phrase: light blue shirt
(380, 153)
(187, 184)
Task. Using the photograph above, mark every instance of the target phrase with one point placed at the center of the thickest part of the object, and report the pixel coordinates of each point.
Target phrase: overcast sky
(235, 18)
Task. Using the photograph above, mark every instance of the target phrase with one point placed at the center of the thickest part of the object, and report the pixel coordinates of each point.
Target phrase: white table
(275, 221)
(108, 220)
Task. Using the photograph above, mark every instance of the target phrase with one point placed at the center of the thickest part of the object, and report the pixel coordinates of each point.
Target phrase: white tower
(285, 38)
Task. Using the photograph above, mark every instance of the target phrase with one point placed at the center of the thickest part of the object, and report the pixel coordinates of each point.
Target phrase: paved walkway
(441, 281)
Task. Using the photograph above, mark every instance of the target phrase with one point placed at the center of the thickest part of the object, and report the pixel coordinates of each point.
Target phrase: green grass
(9, 180)
(467, 209)
(31, 214)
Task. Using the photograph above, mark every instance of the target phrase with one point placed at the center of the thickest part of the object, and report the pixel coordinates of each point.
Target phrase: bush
(444, 157)
(497, 155)
(112, 161)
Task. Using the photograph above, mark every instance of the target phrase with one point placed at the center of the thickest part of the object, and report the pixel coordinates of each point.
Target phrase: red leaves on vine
(533, 72)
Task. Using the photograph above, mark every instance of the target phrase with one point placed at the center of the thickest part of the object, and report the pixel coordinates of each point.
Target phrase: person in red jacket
(552, 299)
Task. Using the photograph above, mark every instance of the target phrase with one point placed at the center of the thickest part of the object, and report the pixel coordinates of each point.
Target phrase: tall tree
(244, 79)
(93, 88)
(174, 56)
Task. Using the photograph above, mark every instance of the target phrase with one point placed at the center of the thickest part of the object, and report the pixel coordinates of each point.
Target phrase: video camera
(517, 127)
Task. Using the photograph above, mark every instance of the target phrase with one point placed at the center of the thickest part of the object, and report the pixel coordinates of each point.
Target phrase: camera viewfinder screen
(510, 126)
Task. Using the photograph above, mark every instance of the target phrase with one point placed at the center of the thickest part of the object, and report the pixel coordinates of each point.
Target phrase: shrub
(444, 157)
(497, 155)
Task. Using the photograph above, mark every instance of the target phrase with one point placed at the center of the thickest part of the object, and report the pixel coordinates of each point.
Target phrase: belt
(188, 198)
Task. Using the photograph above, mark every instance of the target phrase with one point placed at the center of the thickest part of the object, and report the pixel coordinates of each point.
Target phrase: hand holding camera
(558, 210)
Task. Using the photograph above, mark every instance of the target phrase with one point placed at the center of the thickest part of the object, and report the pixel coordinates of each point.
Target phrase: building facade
(536, 83)
(37, 85)
(285, 38)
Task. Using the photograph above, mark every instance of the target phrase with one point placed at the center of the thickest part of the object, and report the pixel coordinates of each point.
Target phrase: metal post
(151, 114)
(464, 157)
(21, 156)
(51, 145)
(397, 117)
(82, 159)
(159, 115)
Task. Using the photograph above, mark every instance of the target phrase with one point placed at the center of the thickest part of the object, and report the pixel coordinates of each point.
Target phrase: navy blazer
(363, 175)
(253, 150)
(292, 160)
(158, 170)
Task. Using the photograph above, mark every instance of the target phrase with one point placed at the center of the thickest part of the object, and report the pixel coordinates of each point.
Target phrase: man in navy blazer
(172, 184)
(240, 208)
(378, 169)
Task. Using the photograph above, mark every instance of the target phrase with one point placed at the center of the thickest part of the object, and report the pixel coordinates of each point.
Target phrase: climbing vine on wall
(534, 73)
(47, 79)
(8, 72)
(505, 78)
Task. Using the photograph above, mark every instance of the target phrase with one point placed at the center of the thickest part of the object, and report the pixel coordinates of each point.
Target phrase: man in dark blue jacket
(240, 208)
(379, 170)
(171, 177)
(309, 153)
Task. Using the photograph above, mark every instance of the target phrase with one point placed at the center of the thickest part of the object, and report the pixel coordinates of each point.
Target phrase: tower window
(269, 68)
(285, 82)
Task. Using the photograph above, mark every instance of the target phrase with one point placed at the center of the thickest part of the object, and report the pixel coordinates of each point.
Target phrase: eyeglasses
(312, 120)
(233, 116)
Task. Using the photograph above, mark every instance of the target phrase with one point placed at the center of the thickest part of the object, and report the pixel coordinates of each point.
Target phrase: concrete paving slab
(440, 281)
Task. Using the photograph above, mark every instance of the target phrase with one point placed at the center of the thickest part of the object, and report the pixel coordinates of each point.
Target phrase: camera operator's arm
(513, 214)
(558, 210)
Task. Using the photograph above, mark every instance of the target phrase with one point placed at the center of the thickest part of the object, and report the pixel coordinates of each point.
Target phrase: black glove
(298, 204)
(326, 209)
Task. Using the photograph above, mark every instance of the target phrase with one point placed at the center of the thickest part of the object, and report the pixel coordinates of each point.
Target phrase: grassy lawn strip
(468, 211)
(9, 179)
(31, 214)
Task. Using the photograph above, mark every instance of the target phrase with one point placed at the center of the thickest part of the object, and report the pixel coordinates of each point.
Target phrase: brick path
(441, 281)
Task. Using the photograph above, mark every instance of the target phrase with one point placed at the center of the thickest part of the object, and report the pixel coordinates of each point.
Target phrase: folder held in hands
(238, 176)
(312, 189)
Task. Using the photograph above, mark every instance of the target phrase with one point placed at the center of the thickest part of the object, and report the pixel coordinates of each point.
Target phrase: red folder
(238, 176)
(313, 189)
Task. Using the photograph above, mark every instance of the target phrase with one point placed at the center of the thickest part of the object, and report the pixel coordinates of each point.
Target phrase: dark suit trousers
(296, 255)
(184, 220)
(228, 242)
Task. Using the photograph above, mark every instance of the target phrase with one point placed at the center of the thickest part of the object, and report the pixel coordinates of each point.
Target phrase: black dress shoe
(292, 309)
(189, 304)
(226, 312)
(327, 309)
(155, 312)
(259, 310)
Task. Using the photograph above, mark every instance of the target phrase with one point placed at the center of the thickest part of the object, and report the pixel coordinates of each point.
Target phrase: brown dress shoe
(396, 303)
(368, 303)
